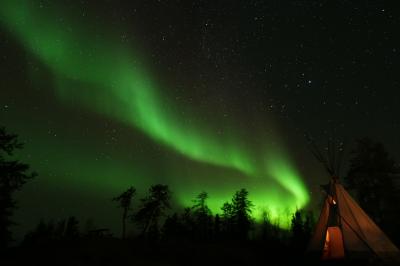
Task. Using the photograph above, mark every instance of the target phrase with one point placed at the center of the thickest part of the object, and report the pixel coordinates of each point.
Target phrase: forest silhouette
(193, 236)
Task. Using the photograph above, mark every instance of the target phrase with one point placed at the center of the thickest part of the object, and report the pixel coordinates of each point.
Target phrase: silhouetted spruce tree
(266, 226)
(124, 201)
(72, 228)
(172, 229)
(152, 209)
(298, 238)
(227, 220)
(59, 230)
(188, 223)
(371, 175)
(202, 215)
(308, 226)
(217, 227)
(241, 210)
(13, 175)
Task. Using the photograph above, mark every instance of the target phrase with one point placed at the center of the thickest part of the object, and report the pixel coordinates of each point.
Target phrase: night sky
(199, 95)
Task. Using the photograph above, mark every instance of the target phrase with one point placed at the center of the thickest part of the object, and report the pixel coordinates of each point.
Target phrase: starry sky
(200, 95)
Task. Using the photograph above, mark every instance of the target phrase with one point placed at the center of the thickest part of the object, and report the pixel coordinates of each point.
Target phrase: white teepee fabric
(361, 236)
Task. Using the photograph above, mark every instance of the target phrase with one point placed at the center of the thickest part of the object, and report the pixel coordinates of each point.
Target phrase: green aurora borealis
(113, 81)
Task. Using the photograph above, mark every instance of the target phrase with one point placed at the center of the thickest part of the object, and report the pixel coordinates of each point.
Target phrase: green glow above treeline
(110, 79)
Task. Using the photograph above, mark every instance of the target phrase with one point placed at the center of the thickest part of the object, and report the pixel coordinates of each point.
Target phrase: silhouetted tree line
(48, 232)
(196, 223)
(373, 177)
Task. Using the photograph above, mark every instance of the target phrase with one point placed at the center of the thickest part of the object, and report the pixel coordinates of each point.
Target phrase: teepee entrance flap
(333, 246)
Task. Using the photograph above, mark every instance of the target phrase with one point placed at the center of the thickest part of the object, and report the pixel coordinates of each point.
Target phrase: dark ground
(111, 251)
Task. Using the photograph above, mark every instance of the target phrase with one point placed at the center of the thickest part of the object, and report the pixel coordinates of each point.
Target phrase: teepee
(344, 230)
